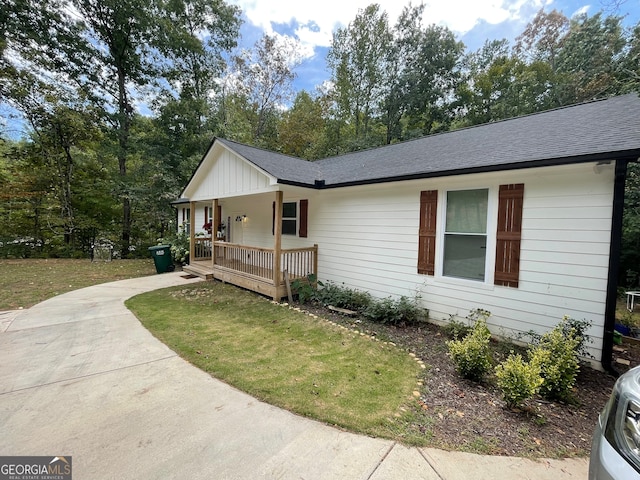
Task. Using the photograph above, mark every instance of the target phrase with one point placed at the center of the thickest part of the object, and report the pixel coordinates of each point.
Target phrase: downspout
(615, 248)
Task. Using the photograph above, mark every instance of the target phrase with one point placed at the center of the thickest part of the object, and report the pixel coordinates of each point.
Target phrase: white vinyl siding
(367, 238)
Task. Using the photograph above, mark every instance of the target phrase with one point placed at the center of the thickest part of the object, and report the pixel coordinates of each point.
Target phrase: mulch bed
(463, 415)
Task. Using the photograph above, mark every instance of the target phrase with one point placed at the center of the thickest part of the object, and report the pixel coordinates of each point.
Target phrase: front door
(237, 228)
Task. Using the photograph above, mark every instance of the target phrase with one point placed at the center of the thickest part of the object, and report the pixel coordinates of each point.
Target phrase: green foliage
(402, 311)
(307, 289)
(456, 329)
(344, 297)
(518, 380)
(396, 312)
(472, 355)
(556, 355)
(302, 126)
(179, 246)
(570, 327)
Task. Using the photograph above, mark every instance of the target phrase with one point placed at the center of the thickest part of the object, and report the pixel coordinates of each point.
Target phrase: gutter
(615, 248)
(321, 184)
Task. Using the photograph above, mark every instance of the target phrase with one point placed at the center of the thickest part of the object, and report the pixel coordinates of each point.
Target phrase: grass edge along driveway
(287, 358)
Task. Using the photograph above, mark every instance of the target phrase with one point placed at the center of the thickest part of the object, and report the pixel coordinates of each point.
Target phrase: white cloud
(581, 11)
(318, 20)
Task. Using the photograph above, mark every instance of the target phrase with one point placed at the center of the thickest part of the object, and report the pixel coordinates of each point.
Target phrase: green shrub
(455, 328)
(344, 297)
(472, 354)
(569, 327)
(396, 312)
(518, 380)
(556, 354)
(307, 289)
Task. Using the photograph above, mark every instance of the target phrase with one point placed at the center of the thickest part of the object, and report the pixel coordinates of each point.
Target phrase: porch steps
(198, 270)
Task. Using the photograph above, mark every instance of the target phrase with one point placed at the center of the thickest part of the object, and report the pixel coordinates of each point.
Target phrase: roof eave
(628, 155)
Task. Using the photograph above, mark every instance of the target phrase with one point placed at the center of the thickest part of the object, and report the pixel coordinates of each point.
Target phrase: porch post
(214, 231)
(192, 231)
(277, 247)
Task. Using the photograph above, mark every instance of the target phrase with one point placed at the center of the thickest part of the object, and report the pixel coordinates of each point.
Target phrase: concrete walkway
(80, 376)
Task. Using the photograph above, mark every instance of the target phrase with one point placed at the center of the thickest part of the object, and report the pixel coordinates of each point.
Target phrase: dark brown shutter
(273, 218)
(427, 232)
(304, 212)
(508, 236)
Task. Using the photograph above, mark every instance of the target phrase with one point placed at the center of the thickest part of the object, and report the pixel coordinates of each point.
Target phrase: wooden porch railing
(202, 248)
(258, 262)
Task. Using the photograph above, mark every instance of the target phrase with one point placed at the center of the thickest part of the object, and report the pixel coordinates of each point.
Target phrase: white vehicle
(615, 450)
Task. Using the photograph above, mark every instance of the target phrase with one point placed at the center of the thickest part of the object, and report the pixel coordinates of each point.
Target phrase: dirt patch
(462, 415)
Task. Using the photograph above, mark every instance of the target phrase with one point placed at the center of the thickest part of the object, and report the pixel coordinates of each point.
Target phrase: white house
(520, 217)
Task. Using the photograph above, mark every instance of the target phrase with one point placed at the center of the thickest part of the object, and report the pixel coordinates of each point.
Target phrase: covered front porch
(268, 271)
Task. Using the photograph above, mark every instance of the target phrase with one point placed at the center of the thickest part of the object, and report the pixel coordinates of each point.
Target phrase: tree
(489, 74)
(629, 65)
(589, 60)
(542, 38)
(432, 76)
(185, 107)
(60, 135)
(301, 127)
(114, 53)
(356, 59)
(264, 76)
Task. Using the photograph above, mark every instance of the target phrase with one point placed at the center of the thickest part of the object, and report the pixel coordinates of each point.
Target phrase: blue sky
(472, 21)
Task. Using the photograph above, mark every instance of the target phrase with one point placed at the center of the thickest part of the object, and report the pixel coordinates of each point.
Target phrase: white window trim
(492, 226)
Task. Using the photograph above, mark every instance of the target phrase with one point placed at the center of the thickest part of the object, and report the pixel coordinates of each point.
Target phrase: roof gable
(223, 172)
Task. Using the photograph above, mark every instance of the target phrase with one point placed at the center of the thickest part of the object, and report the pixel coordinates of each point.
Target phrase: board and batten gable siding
(368, 239)
(225, 174)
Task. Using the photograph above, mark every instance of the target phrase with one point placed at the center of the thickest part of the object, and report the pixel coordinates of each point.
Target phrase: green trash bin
(162, 258)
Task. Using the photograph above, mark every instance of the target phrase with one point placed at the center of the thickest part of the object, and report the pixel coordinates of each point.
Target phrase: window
(294, 218)
(465, 237)
(289, 218)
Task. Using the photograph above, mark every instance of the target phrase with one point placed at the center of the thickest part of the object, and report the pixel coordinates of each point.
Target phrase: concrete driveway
(80, 376)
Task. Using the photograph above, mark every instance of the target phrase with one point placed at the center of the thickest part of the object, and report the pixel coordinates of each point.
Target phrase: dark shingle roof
(603, 129)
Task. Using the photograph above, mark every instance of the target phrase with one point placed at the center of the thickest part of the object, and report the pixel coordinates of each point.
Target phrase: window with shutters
(455, 234)
(294, 218)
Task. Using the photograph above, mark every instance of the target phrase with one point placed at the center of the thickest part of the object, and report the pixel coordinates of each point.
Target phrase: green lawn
(25, 282)
(286, 357)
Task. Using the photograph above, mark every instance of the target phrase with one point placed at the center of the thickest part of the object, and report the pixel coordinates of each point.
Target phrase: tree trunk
(124, 110)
